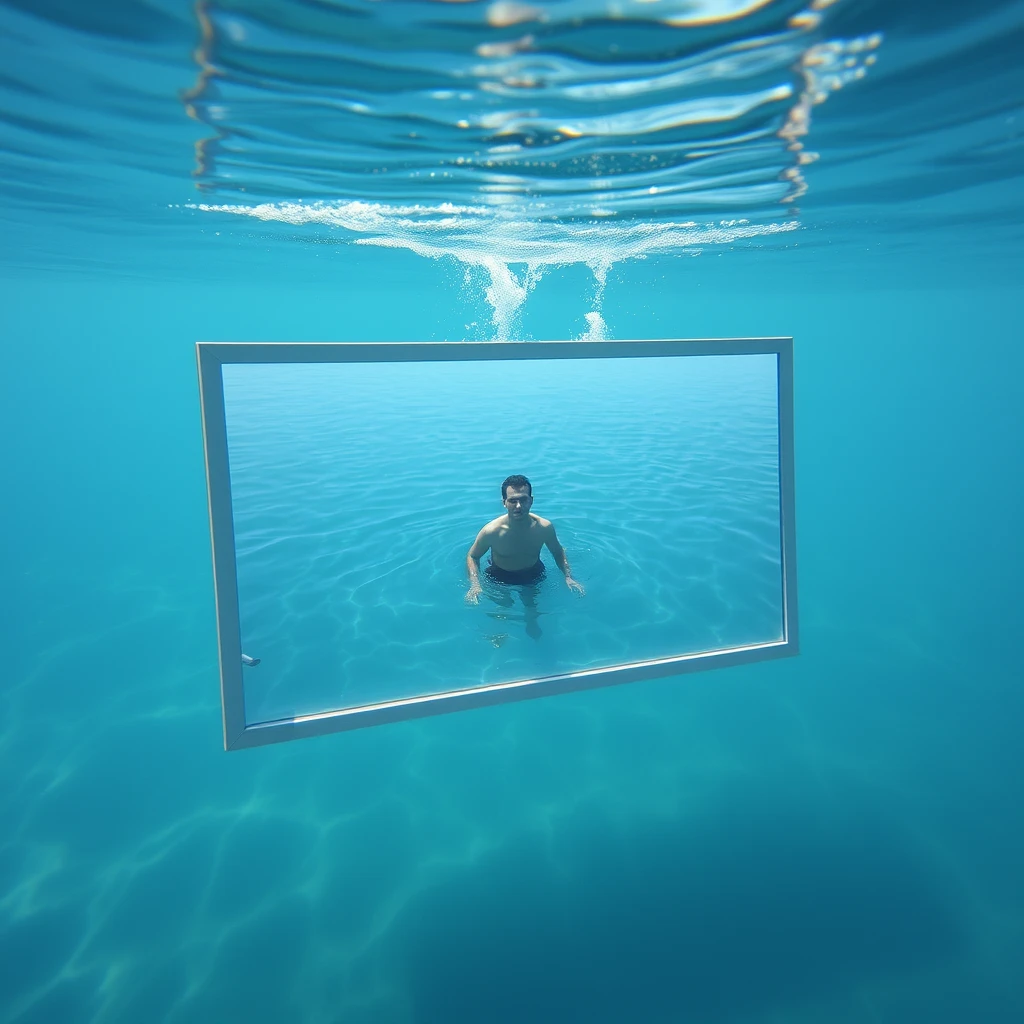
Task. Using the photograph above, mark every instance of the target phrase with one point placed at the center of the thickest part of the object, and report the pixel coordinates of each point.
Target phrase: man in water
(515, 540)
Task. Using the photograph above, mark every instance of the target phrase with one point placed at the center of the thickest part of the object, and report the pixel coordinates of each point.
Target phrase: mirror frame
(212, 356)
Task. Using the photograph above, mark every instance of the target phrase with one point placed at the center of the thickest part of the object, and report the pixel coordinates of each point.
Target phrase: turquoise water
(835, 837)
(358, 490)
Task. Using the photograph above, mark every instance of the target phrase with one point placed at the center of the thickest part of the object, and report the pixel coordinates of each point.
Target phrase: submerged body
(532, 574)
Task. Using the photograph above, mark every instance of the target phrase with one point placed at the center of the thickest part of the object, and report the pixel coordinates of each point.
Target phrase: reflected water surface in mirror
(358, 488)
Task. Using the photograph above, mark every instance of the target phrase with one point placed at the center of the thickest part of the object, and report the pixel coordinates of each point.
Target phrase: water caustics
(506, 133)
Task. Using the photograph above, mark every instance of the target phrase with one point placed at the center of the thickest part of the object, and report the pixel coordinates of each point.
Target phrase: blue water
(835, 837)
(358, 490)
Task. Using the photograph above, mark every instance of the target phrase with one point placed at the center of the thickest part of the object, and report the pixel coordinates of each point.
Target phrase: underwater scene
(833, 836)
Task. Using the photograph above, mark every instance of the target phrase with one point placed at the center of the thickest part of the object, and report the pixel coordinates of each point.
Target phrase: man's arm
(476, 552)
(556, 549)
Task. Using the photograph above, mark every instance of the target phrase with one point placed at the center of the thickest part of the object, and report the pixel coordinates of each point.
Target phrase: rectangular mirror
(348, 484)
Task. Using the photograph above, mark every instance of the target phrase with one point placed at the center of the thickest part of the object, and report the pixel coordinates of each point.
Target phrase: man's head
(517, 496)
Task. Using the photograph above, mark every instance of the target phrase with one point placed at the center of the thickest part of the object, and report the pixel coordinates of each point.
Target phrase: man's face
(518, 502)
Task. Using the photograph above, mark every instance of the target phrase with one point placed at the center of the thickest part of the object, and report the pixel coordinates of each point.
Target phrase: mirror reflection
(414, 528)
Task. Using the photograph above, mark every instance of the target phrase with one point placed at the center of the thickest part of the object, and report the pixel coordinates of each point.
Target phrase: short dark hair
(516, 480)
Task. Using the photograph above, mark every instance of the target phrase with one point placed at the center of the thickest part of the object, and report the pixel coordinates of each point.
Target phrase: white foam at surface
(473, 235)
(597, 329)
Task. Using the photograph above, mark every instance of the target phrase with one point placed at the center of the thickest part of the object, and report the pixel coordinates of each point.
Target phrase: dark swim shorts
(531, 575)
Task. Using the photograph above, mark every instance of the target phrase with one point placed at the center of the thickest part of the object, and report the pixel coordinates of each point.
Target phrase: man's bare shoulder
(493, 526)
(541, 522)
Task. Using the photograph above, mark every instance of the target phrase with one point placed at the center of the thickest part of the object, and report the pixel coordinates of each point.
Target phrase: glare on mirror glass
(405, 529)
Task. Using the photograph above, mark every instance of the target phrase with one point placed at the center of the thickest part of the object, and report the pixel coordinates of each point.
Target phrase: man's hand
(574, 585)
(473, 594)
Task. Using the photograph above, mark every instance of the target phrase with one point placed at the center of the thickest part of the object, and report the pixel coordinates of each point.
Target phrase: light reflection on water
(510, 133)
(511, 136)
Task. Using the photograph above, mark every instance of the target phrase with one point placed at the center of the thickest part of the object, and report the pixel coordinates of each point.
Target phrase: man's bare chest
(514, 544)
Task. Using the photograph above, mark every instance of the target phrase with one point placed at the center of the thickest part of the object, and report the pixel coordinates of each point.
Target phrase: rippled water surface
(513, 133)
(359, 489)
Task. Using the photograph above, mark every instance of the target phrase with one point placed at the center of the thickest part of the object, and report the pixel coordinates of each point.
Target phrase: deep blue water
(835, 837)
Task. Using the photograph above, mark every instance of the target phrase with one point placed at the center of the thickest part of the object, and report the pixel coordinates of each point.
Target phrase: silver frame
(211, 356)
